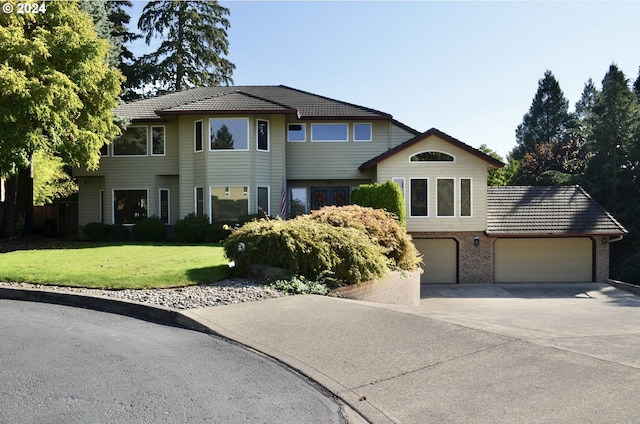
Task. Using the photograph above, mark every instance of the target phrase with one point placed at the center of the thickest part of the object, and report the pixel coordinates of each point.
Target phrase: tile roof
(494, 163)
(254, 99)
(551, 211)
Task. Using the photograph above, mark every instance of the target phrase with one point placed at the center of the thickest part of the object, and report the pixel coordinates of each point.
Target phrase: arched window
(431, 157)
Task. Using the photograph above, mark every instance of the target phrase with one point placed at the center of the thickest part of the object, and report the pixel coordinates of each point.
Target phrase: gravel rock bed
(215, 294)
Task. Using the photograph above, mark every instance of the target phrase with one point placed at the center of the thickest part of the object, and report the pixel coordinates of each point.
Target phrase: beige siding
(543, 260)
(440, 260)
(333, 160)
(398, 135)
(464, 166)
(89, 199)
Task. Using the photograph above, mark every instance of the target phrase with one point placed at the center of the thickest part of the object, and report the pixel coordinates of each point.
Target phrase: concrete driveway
(592, 319)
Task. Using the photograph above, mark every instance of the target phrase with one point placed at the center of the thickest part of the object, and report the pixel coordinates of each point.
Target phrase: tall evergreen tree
(120, 18)
(194, 41)
(547, 120)
(636, 86)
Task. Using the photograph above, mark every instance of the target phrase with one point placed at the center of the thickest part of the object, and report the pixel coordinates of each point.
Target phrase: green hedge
(97, 231)
(380, 227)
(308, 248)
(387, 196)
(149, 229)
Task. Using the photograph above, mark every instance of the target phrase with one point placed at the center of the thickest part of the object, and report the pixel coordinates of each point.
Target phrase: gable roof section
(547, 211)
(246, 99)
(432, 132)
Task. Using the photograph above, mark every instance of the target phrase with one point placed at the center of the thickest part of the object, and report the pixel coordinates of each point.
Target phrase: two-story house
(230, 151)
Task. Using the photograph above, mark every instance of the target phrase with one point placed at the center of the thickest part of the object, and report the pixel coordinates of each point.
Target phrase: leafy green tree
(502, 176)
(51, 181)
(548, 117)
(57, 92)
(194, 43)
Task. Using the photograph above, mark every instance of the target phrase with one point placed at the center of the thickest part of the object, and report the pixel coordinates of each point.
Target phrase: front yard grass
(116, 266)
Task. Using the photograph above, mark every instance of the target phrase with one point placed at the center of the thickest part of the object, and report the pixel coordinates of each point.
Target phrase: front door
(329, 196)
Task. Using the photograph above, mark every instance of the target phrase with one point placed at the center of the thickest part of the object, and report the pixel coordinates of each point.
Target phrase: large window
(298, 203)
(157, 141)
(263, 200)
(129, 206)
(445, 200)
(262, 135)
(164, 205)
(229, 203)
(132, 142)
(465, 196)
(197, 137)
(229, 133)
(362, 132)
(419, 197)
(329, 132)
(297, 132)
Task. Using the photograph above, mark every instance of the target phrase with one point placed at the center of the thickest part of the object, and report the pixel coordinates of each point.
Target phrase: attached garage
(529, 260)
(440, 260)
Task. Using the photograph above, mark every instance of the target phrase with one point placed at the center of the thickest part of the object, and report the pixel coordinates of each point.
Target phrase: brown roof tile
(547, 211)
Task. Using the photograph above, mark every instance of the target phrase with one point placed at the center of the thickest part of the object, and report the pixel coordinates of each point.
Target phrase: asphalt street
(70, 365)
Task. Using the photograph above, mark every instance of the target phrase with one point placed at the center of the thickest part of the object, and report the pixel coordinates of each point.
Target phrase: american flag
(283, 199)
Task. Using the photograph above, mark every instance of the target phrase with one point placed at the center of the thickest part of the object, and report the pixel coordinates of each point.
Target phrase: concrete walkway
(470, 354)
(534, 353)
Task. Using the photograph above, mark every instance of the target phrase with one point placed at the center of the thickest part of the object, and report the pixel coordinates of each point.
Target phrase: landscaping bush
(192, 229)
(380, 226)
(387, 196)
(150, 229)
(307, 248)
(97, 231)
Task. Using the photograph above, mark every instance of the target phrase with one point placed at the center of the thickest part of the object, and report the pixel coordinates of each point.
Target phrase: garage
(529, 260)
(440, 260)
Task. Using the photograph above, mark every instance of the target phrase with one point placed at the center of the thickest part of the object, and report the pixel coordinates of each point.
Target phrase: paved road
(69, 365)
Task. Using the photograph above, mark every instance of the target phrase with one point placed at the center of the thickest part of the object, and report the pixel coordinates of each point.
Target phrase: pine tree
(126, 60)
(194, 35)
(223, 139)
(636, 86)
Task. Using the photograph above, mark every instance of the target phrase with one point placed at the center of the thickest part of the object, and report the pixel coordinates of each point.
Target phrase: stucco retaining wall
(399, 288)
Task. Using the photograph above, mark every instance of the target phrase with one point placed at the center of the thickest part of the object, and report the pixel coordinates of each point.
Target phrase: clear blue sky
(470, 69)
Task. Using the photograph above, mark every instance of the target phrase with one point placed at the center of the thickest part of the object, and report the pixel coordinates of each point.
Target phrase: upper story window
(329, 132)
(446, 195)
(431, 156)
(465, 197)
(262, 132)
(419, 197)
(229, 133)
(197, 136)
(132, 142)
(158, 141)
(362, 132)
(296, 132)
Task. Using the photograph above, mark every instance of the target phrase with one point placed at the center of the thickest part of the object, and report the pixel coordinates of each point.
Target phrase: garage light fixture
(476, 240)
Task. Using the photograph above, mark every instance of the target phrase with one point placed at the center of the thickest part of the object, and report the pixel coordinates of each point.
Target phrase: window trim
(113, 202)
(453, 197)
(160, 190)
(304, 128)
(195, 134)
(234, 149)
(432, 161)
(146, 128)
(427, 215)
(164, 139)
(268, 211)
(195, 200)
(268, 149)
(354, 132)
(470, 197)
(326, 124)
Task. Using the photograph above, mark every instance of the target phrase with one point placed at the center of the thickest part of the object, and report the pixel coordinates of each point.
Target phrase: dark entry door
(329, 196)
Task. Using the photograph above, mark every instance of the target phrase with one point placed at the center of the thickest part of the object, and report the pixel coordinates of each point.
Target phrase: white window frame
(164, 140)
(195, 200)
(268, 211)
(470, 197)
(160, 190)
(370, 132)
(409, 198)
(113, 144)
(234, 149)
(304, 128)
(202, 136)
(454, 194)
(326, 124)
(268, 149)
(113, 202)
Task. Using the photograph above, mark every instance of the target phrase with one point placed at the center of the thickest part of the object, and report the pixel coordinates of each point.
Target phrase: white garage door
(440, 260)
(543, 260)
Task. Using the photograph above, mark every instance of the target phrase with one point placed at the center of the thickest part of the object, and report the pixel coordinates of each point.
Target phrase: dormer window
(431, 156)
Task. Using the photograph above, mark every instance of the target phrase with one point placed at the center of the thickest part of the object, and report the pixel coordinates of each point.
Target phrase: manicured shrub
(97, 231)
(117, 232)
(380, 226)
(192, 229)
(150, 229)
(387, 196)
(307, 248)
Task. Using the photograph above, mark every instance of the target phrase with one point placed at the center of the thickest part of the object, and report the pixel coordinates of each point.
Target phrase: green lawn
(135, 266)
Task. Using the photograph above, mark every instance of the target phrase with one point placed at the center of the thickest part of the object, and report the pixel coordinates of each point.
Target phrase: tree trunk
(9, 214)
(24, 199)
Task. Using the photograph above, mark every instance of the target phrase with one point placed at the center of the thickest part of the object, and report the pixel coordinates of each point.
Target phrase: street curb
(160, 315)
